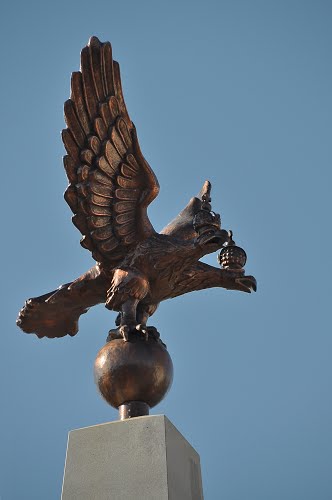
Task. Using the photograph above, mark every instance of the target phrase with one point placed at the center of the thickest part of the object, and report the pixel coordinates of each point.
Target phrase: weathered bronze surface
(136, 371)
(110, 187)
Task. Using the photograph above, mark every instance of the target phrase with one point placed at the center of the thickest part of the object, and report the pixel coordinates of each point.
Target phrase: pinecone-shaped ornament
(231, 256)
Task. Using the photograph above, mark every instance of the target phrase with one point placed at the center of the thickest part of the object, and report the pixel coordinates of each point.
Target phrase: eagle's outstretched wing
(56, 313)
(111, 184)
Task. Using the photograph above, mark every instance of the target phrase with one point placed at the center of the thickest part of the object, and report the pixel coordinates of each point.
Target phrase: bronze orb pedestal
(133, 376)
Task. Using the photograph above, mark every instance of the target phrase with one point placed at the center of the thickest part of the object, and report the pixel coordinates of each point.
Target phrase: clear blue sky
(238, 92)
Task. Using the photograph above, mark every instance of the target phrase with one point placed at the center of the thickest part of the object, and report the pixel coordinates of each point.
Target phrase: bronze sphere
(139, 370)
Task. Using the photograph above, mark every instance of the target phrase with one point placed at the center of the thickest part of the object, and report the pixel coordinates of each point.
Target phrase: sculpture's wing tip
(50, 319)
(94, 41)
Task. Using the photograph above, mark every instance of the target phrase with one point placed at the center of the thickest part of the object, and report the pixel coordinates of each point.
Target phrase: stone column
(142, 458)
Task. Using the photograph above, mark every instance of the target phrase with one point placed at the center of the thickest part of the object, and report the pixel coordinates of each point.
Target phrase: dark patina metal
(110, 187)
(232, 256)
(133, 409)
(139, 370)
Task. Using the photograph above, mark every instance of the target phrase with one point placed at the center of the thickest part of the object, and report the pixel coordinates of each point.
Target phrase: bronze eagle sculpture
(110, 187)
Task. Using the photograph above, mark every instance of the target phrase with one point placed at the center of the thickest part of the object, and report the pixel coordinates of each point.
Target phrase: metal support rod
(133, 409)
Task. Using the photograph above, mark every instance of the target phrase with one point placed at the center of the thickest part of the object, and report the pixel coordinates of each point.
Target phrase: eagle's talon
(154, 332)
(143, 330)
(124, 331)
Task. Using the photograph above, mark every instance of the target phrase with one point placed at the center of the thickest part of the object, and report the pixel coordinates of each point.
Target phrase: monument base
(142, 458)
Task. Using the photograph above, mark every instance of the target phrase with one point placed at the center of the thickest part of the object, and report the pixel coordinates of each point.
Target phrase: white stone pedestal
(143, 458)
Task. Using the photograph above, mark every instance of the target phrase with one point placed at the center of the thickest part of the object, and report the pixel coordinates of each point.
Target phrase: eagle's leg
(142, 318)
(143, 314)
(128, 288)
(128, 317)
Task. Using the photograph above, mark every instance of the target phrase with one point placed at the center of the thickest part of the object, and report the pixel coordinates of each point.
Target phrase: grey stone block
(143, 458)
